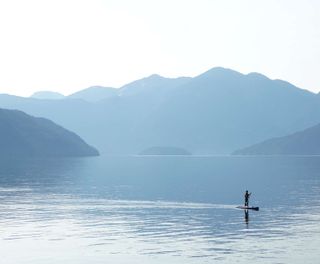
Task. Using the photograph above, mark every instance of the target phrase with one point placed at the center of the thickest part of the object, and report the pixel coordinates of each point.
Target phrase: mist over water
(159, 210)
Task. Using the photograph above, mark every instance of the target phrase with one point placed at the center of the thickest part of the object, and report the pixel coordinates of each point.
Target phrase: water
(159, 210)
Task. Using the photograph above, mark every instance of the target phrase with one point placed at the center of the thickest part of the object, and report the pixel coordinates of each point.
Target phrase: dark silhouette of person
(246, 216)
(246, 198)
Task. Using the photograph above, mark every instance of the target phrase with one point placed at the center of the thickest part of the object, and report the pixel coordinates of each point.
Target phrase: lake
(159, 210)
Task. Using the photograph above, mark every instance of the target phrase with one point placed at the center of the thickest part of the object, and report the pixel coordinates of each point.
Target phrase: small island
(165, 151)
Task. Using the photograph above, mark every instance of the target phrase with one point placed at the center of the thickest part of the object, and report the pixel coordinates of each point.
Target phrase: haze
(65, 46)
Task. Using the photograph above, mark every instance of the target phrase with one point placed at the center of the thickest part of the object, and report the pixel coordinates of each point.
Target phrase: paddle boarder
(246, 198)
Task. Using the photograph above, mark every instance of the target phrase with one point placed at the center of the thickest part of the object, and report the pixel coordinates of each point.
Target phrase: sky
(66, 45)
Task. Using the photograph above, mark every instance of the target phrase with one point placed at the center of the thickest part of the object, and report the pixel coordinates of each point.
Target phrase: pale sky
(66, 45)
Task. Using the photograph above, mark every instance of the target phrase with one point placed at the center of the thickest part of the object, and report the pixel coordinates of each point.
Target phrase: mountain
(22, 135)
(222, 110)
(74, 114)
(47, 95)
(95, 93)
(306, 142)
(106, 124)
(154, 84)
(216, 112)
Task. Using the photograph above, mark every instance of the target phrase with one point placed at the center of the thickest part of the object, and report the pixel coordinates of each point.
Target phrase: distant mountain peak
(222, 69)
(155, 76)
(94, 93)
(47, 95)
(150, 79)
(257, 75)
(153, 83)
(94, 87)
(220, 72)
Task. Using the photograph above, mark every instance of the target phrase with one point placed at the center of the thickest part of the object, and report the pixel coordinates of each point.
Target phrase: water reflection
(158, 210)
(246, 217)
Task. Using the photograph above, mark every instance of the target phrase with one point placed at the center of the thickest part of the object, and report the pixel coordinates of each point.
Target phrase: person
(246, 198)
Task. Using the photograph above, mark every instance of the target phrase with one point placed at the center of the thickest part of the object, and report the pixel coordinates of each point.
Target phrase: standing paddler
(246, 198)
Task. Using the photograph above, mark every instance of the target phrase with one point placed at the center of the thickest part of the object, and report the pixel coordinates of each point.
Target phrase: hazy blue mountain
(119, 118)
(165, 151)
(95, 93)
(216, 112)
(154, 84)
(222, 110)
(306, 142)
(27, 136)
(47, 95)
(73, 114)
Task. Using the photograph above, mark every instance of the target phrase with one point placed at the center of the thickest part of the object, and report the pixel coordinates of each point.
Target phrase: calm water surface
(159, 210)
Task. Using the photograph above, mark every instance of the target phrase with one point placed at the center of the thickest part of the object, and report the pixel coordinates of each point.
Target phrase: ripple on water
(201, 231)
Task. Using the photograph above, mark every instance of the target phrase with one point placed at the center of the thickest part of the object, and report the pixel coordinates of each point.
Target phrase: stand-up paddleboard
(248, 208)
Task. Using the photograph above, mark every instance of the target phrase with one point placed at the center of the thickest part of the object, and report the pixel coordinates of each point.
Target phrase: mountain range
(22, 135)
(216, 112)
(304, 142)
(91, 94)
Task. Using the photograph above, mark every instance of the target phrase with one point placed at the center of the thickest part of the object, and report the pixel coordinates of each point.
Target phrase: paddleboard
(248, 208)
